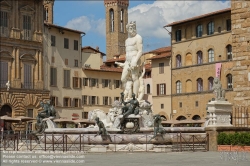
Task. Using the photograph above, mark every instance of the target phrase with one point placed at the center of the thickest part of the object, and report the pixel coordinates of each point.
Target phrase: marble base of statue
(219, 113)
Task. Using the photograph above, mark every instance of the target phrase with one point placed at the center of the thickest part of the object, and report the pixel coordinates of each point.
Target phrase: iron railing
(241, 116)
(112, 143)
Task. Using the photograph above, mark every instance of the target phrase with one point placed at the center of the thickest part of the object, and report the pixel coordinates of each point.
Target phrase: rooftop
(161, 53)
(96, 50)
(199, 17)
(64, 28)
(104, 68)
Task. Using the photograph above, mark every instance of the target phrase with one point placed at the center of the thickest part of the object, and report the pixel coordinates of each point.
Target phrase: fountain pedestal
(132, 124)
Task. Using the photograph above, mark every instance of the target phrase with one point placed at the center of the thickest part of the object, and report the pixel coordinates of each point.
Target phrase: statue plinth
(219, 113)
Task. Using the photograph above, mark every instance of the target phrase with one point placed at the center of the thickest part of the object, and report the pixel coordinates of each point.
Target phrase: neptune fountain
(130, 121)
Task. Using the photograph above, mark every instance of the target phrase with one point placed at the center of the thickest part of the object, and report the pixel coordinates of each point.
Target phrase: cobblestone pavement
(125, 159)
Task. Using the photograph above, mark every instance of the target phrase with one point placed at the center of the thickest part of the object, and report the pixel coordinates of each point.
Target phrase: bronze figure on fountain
(47, 112)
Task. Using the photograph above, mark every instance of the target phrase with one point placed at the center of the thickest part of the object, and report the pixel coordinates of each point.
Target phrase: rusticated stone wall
(240, 16)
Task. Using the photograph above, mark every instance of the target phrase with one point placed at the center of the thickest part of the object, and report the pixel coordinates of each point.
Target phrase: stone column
(40, 66)
(13, 65)
(17, 64)
(36, 66)
(17, 80)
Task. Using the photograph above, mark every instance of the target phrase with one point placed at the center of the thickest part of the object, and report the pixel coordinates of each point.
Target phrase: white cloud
(87, 24)
(150, 18)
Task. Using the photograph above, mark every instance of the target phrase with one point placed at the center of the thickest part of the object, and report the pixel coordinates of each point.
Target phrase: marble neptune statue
(132, 66)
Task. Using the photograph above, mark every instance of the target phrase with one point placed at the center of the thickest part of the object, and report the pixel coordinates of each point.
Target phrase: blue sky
(150, 16)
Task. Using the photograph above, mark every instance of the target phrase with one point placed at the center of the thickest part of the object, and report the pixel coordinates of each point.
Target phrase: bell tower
(48, 11)
(116, 21)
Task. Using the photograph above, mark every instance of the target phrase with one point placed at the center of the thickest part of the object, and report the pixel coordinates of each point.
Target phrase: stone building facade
(241, 51)
(201, 50)
(116, 21)
(21, 58)
(161, 81)
(63, 68)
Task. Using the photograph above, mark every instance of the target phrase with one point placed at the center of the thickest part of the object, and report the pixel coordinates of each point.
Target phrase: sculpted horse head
(97, 113)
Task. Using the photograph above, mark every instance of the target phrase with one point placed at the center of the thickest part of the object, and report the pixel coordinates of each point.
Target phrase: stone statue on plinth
(217, 88)
(219, 110)
(132, 66)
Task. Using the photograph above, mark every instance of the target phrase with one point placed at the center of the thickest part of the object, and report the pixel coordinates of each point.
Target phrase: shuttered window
(66, 78)
(161, 89)
(53, 76)
(26, 27)
(161, 68)
(75, 44)
(27, 77)
(3, 74)
(53, 40)
(3, 19)
(66, 43)
(84, 100)
(27, 22)
(77, 82)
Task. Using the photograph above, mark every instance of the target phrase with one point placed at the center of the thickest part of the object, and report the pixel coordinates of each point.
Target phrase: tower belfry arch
(116, 21)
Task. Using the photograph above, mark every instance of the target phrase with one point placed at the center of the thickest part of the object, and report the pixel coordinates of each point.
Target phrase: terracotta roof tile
(162, 55)
(105, 69)
(116, 60)
(199, 17)
(60, 27)
(162, 49)
(88, 47)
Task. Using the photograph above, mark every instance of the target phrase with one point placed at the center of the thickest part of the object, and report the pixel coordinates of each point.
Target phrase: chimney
(97, 48)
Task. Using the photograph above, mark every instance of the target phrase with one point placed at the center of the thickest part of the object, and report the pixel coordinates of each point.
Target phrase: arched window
(199, 85)
(229, 52)
(181, 118)
(178, 87)
(122, 22)
(199, 57)
(210, 55)
(196, 117)
(112, 21)
(210, 83)
(199, 31)
(210, 28)
(229, 81)
(178, 61)
(148, 89)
